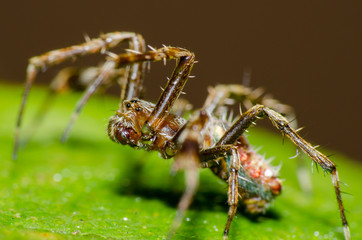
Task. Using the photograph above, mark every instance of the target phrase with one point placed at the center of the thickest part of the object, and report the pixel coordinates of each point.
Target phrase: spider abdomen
(258, 181)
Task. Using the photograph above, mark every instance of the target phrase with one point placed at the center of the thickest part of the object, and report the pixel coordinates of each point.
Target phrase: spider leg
(260, 111)
(226, 94)
(233, 192)
(55, 57)
(185, 62)
(173, 89)
(187, 158)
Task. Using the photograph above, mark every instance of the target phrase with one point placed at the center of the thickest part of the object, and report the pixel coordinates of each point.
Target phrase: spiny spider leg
(259, 111)
(55, 57)
(233, 183)
(221, 95)
(174, 86)
(188, 159)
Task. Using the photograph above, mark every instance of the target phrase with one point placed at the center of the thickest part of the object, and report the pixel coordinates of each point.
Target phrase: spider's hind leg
(259, 111)
(226, 94)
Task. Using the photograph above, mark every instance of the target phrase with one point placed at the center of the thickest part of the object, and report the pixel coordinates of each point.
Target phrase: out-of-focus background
(307, 54)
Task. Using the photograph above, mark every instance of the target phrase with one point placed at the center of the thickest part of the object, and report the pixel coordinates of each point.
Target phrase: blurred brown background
(307, 54)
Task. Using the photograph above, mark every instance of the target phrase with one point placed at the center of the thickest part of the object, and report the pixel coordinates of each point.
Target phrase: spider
(208, 139)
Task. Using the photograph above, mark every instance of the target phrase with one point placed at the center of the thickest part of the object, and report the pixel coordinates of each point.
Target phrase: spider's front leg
(173, 89)
(185, 61)
(260, 111)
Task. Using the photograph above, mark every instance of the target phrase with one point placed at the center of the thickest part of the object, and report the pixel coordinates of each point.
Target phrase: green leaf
(92, 188)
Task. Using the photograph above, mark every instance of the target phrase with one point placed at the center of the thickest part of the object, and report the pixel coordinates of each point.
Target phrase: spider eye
(138, 109)
(128, 105)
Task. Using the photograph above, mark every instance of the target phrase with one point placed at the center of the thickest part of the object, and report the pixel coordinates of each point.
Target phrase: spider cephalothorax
(125, 126)
(208, 139)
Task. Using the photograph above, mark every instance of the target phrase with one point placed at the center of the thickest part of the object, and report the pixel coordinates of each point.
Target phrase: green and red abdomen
(258, 180)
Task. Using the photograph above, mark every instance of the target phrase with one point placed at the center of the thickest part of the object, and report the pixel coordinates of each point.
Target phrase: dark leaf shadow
(205, 198)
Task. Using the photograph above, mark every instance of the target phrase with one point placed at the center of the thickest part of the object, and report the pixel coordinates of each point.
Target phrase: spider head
(125, 126)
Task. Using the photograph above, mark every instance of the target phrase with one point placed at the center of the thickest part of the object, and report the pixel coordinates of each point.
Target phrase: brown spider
(206, 140)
